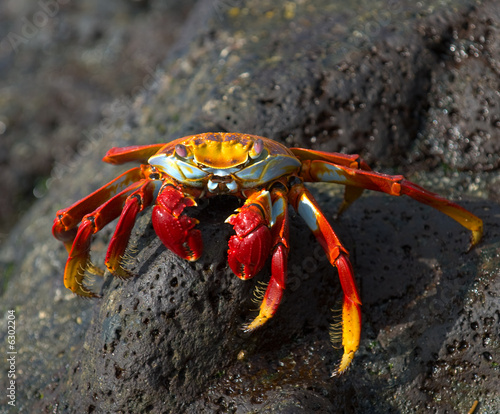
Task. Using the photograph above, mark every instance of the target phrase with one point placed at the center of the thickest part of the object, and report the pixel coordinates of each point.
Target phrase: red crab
(267, 176)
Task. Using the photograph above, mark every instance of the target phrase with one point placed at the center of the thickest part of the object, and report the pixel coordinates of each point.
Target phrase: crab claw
(176, 230)
(251, 245)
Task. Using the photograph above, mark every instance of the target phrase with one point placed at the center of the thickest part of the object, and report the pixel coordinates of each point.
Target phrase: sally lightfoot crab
(266, 176)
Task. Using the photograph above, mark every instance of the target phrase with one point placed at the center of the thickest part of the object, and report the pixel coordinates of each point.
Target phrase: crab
(266, 176)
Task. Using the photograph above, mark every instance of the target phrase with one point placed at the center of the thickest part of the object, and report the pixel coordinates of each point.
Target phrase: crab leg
(347, 160)
(306, 206)
(134, 204)
(276, 286)
(64, 228)
(79, 256)
(134, 153)
(351, 193)
(395, 185)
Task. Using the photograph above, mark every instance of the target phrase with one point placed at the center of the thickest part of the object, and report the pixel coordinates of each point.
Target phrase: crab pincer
(176, 230)
(249, 248)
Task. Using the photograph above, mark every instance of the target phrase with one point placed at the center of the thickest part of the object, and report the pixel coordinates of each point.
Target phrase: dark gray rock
(463, 121)
(72, 60)
(316, 75)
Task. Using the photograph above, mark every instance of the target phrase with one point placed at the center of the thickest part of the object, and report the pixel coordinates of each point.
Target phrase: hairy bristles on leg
(336, 327)
(89, 277)
(94, 270)
(132, 248)
(127, 261)
(129, 255)
(80, 272)
(259, 292)
(82, 281)
(336, 336)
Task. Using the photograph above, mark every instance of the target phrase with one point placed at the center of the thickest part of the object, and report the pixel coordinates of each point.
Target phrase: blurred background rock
(63, 66)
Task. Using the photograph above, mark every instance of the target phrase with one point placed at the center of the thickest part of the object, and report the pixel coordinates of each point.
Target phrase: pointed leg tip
(341, 210)
(343, 365)
(86, 294)
(121, 273)
(476, 237)
(256, 323)
(246, 329)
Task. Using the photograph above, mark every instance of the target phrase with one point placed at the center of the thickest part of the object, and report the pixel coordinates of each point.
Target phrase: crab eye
(257, 148)
(181, 150)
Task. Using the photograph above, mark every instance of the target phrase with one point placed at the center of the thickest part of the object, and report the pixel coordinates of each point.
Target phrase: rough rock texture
(366, 79)
(77, 62)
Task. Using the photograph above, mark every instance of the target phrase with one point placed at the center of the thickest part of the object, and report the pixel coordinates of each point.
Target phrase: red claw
(176, 230)
(251, 245)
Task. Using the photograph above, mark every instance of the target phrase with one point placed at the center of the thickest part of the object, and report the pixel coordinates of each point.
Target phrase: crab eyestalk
(181, 150)
(257, 148)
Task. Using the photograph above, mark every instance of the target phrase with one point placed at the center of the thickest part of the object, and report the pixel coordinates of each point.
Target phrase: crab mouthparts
(222, 184)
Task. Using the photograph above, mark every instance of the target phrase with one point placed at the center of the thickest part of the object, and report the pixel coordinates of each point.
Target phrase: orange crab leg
(347, 160)
(133, 153)
(351, 193)
(134, 204)
(395, 185)
(79, 256)
(307, 207)
(64, 228)
(276, 286)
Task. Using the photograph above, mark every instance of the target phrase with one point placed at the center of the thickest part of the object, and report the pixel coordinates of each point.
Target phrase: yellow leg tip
(351, 332)
(265, 313)
(476, 236)
(74, 274)
(344, 364)
(256, 323)
(117, 270)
